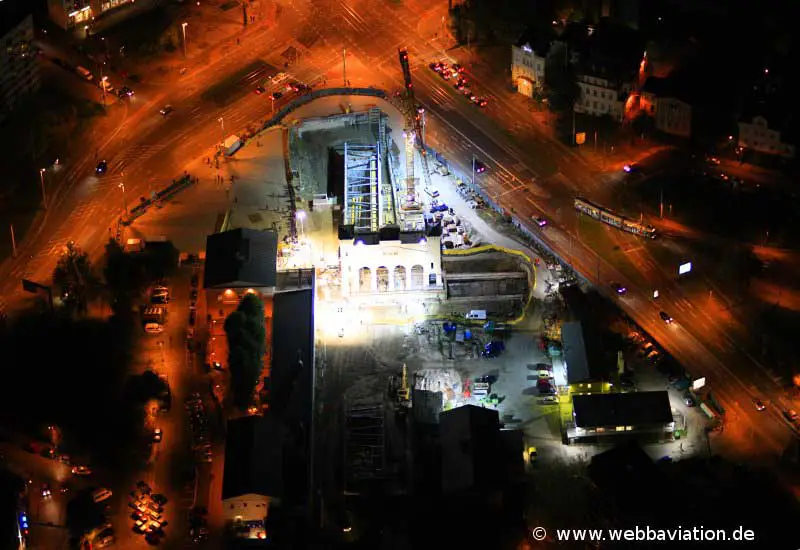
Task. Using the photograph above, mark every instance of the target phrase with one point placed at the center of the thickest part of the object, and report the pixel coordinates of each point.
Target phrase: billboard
(685, 268)
(699, 383)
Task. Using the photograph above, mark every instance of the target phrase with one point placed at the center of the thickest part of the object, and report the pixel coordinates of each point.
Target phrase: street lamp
(44, 194)
(183, 28)
(124, 200)
(222, 131)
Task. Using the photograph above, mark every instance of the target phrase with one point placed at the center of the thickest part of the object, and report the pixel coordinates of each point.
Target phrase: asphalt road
(145, 151)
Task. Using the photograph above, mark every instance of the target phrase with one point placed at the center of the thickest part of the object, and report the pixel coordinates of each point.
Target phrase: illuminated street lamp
(124, 201)
(44, 194)
(183, 28)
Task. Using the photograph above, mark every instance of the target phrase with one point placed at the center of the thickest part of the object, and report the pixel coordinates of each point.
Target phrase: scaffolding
(365, 443)
(362, 187)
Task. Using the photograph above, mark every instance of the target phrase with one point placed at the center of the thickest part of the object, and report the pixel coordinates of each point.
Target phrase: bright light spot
(684, 268)
(655, 294)
(423, 240)
(627, 168)
(300, 215)
(359, 242)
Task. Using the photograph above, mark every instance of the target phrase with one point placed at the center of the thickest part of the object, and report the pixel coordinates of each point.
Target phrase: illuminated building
(528, 65)
(74, 13)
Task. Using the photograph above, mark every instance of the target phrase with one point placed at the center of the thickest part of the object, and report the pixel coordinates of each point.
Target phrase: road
(145, 151)
(699, 340)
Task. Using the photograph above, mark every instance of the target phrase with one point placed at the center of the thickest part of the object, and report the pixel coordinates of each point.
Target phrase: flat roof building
(610, 414)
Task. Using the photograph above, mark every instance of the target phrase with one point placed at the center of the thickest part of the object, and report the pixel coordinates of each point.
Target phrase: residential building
(74, 13)
(253, 475)
(658, 99)
(756, 135)
(19, 69)
(606, 60)
(602, 94)
(627, 414)
(239, 261)
(528, 64)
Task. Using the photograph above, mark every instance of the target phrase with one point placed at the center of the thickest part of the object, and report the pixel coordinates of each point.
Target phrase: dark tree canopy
(246, 347)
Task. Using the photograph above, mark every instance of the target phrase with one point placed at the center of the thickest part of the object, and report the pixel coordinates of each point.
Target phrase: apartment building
(757, 135)
(602, 92)
(19, 70)
(68, 14)
(528, 64)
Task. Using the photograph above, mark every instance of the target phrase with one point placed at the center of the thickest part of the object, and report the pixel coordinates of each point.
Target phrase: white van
(101, 494)
(477, 314)
(84, 73)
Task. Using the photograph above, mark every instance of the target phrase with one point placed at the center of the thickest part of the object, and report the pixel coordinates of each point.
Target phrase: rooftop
(470, 441)
(621, 409)
(241, 258)
(253, 457)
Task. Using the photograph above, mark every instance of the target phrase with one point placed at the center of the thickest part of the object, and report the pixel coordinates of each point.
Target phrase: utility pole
(344, 65)
(13, 241)
(44, 193)
(661, 202)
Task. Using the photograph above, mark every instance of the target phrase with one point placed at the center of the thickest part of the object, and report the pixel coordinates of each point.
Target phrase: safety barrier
(495, 248)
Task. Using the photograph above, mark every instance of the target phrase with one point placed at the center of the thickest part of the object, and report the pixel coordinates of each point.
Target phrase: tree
(246, 347)
(73, 278)
(160, 259)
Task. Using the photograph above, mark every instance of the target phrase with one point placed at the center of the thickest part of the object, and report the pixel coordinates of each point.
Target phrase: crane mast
(413, 121)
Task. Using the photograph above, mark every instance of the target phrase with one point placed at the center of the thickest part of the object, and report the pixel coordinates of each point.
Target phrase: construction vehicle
(413, 114)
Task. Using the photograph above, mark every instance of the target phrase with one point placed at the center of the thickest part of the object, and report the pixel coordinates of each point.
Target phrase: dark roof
(12, 12)
(241, 258)
(539, 42)
(621, 409)
(668, 87)
(253, 457)
(292, 374)
(470, 439)
(623, 472)
(574, 352)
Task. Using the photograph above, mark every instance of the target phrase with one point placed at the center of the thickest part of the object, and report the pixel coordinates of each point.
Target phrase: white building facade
(527, 70)
(602, 96)
(758, 136)
(390, 266)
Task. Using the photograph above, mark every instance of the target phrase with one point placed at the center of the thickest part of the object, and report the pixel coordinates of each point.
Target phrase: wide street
(145, 151)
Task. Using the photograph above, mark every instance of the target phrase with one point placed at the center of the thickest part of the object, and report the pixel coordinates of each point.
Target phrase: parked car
(81, 470)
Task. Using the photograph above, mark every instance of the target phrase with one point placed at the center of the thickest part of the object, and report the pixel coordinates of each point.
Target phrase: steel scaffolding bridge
(363, 189)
